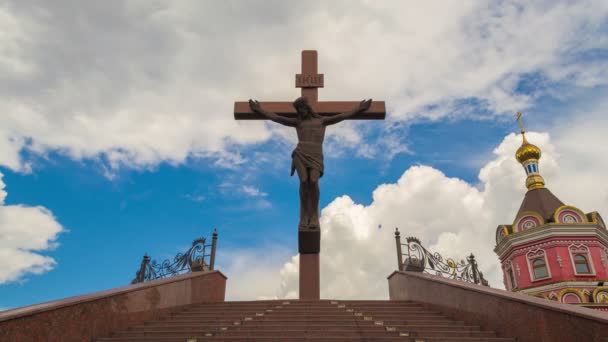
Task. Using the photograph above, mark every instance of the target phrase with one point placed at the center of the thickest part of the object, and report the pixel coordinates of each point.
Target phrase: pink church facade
(553, 250)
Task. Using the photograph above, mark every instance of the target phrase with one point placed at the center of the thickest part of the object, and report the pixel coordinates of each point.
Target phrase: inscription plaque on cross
(309, 117)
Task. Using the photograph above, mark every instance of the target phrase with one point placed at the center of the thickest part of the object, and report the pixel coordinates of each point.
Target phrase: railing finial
(399, 252)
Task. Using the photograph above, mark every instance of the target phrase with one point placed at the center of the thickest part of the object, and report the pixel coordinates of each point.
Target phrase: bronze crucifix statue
(309, 117)
(307, 157)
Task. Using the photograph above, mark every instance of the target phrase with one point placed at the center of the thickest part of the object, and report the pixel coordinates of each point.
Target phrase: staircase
(293, 320)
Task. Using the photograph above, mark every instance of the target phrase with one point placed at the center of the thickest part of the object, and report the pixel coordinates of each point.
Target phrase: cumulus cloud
(137, 83)
(253, 273)
(25, 232)
(449, 215)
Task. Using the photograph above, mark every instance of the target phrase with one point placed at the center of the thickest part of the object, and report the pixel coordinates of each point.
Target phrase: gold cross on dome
(521, 124)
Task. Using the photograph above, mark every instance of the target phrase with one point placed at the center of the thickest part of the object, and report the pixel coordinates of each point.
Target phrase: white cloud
(253, 274)
(423, 203)
(137, 83)
(252, 191)
(449, 215)
(25, 232)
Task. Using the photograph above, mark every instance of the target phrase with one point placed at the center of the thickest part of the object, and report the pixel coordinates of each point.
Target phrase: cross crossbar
(375, 112)
(309, 80)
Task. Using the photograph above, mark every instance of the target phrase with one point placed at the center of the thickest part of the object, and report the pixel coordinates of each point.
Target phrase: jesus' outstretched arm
(256, 107)
(363, 106)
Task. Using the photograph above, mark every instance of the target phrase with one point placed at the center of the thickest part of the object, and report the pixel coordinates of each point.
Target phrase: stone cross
(311, 131)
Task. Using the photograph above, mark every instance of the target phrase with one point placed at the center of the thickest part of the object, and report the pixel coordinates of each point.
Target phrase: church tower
(553, 250)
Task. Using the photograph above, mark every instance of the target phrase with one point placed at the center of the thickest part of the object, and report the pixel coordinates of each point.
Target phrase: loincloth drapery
(310, 154)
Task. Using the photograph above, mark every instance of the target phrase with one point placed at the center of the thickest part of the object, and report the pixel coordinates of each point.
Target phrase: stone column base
(309, 241)
(309, 277)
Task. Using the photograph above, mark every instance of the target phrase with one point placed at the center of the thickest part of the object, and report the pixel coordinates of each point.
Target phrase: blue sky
(121, 133)
(111, 223)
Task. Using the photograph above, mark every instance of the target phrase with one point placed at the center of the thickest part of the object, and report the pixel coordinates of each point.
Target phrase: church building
(553, 250)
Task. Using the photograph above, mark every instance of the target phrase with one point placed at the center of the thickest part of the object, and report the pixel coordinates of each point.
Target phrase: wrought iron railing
(419, 259)
(193, 260)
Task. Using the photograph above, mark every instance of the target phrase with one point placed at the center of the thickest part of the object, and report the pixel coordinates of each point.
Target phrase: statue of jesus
(307, 157)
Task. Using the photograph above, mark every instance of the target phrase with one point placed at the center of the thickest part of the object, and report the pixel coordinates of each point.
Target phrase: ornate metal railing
(419, 259)
(193, 260)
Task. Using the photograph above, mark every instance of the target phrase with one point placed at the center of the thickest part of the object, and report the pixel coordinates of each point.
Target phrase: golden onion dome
(527, 151)
(528, 155)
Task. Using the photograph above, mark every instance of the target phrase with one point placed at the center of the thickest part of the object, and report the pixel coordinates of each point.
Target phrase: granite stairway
(293, 320)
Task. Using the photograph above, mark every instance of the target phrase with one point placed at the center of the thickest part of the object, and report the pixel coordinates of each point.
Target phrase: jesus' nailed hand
(307, 157)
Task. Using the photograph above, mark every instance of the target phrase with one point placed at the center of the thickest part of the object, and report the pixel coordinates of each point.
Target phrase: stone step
(249, 327)
(179, 325)
(310, 317)
(305, 316)
(415, 320)
(277, 323)
(464, 339)
(309, 334)
(255, 327)
(432, 327)
(282, 324)
(307, 304)
(397, 313)
(404, 305)
(306, 321)
(262, 332)
(273, 317)
(416, 325)
(426, 323)
(298, 311)
(360, 333)
(384, 309)
(378, 301)
(455, 333)
(239, 339)
(312, 309)
(323, 338)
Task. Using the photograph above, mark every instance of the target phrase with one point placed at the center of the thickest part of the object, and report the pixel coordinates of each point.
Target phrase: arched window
(581, 260)
(528, 224)
(537, 265)
(571, 298)
(539, 268)
(511, 278)
(581, 264)
(527, 221)
(569, 215)
(512, 284)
